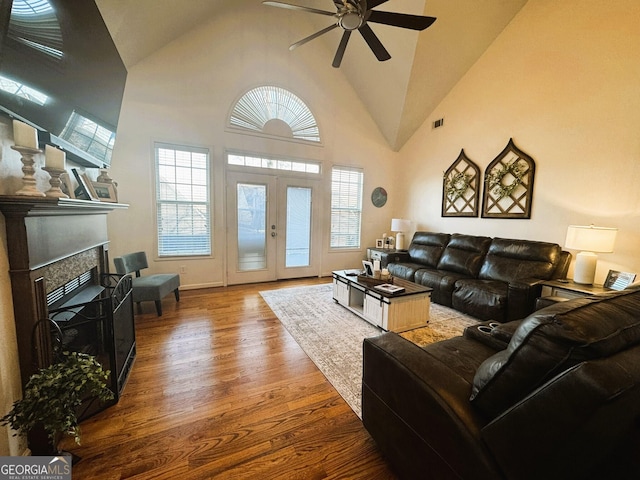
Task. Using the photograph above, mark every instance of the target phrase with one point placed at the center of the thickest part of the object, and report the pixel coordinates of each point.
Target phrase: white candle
(54, 158)
(24, 135)
(376, 264)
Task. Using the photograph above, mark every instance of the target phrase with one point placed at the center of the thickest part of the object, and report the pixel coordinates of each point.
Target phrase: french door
(273, 227)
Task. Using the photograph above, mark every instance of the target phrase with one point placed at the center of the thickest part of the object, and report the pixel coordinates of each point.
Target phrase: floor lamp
(590, 240)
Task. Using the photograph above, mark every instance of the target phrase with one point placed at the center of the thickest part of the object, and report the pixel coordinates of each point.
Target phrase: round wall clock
(379, 197)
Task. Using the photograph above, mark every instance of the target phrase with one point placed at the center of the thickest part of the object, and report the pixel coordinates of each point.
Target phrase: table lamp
(590, 240)
(400, 225)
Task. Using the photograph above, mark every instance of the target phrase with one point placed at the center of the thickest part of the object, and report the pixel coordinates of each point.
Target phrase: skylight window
(22, 91)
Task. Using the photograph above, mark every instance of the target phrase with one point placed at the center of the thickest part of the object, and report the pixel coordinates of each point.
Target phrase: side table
(554, 291)
(386, 255)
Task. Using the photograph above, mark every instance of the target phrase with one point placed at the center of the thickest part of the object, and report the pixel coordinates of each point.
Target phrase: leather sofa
(487, 278)
(555, 396)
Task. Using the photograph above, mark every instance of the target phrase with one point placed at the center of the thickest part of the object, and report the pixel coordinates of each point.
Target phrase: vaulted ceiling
(399, 94)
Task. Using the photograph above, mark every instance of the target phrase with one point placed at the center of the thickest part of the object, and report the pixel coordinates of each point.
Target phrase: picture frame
(105, 192)
(379, 243)
(368, 268)
(85, 190)
(66, 185)
(618, 280)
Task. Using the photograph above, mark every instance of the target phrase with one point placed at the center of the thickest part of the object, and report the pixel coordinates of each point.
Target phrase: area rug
(332, 336)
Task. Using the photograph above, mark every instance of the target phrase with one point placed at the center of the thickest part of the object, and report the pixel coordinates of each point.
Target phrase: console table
(398, 312)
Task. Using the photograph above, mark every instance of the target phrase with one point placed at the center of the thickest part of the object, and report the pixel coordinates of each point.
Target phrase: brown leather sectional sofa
(553, 396)
(488, 278)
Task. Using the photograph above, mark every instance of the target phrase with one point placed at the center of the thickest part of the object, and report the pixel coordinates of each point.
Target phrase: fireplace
(59, 269)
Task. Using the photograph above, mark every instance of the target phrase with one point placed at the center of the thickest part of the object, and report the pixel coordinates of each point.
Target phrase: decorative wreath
(456, 185)
(495, 177)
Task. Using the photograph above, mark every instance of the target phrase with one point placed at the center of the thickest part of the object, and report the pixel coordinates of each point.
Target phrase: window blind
(182, 200)
(346, 207)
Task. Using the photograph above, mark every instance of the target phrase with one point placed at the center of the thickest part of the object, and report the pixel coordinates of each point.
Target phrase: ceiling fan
(354, 15)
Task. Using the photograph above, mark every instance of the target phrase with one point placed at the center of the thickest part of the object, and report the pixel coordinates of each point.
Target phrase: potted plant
(51, 399)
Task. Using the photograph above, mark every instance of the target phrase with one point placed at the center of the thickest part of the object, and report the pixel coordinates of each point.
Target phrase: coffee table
(393, 312)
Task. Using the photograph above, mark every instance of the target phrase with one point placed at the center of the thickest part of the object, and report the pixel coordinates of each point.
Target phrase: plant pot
(39, 442)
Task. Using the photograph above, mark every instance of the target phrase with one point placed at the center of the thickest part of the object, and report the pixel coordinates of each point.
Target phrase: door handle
(273, 234)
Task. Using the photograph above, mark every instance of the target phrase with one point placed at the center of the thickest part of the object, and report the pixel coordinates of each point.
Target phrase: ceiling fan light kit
(355, 15)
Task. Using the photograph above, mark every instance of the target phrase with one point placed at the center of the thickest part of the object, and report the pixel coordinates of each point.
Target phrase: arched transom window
(277, 112)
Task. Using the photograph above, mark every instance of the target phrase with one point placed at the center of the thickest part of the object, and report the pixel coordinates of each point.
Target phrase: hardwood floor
(220, 389)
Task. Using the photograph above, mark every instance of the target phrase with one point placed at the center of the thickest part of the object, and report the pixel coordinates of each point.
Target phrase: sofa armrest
(415, 405)
(569, 427)
(522, 295)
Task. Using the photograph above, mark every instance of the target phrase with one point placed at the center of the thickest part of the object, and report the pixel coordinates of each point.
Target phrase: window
(346, 207)
(34, 23)
(23, 91)
(302, 166)
(182, 198)
(276, 112)
(87, 135)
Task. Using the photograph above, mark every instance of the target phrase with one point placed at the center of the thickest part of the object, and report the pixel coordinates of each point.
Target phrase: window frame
(206, 204)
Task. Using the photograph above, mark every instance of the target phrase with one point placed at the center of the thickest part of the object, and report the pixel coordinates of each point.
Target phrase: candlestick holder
(55, 182)
(28, 180)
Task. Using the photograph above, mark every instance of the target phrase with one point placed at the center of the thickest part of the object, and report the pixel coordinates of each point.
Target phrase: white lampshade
(590, 240)
(400, 225)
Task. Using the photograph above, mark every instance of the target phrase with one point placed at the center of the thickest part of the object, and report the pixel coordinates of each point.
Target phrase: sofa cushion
(442, 282)
(426, 248)
(553, 339)
(464, 254)
(509, 260)
(483, 299)
(406, 271)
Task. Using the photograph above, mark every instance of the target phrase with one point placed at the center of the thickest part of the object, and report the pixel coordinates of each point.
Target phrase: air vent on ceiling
(438, 123)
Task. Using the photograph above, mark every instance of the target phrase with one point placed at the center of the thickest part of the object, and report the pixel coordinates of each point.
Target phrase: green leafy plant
(456, 184)
(52, 396)
(495, 178)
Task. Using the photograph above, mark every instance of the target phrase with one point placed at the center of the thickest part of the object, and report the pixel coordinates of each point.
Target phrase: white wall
(563, 80)
(183, 94)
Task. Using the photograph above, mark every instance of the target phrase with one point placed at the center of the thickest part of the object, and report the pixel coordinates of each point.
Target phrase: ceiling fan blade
(337, 60)
(375, 3)
(311, 37)
(374, 43)
(298, 7)
(402, 20)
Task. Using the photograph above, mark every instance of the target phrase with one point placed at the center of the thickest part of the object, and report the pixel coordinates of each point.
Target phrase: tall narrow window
(182, 201)
(346, 207)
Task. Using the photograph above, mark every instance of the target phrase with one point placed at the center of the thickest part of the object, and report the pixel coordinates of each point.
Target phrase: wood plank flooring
(221, 390)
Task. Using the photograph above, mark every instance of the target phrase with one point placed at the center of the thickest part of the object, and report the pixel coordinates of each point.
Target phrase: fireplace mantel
(41, 206)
